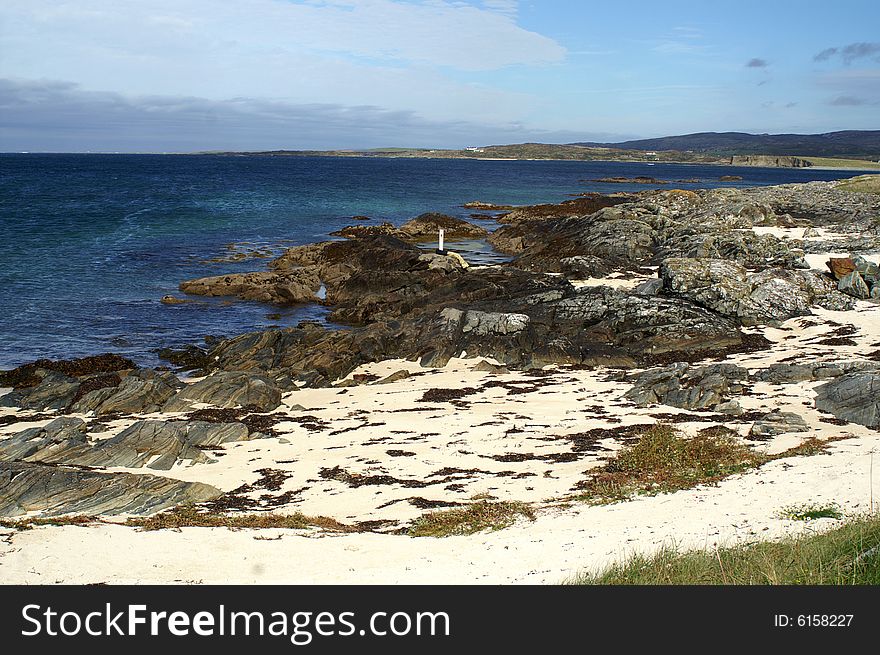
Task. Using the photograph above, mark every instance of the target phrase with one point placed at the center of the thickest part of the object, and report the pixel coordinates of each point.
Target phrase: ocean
(92, 242)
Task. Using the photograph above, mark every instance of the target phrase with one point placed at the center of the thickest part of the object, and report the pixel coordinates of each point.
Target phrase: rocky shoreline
(718, 307)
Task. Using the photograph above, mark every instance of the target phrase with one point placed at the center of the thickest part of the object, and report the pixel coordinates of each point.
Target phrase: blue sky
(182, 75)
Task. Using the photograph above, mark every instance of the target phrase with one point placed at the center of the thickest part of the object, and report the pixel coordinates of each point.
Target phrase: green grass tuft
(811, 512)
(478, 516)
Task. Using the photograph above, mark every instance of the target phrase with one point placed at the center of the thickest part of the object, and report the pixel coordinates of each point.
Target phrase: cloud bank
(60, 116)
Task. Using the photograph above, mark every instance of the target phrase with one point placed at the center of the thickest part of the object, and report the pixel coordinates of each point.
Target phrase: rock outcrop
(854, 397)
(53, 490)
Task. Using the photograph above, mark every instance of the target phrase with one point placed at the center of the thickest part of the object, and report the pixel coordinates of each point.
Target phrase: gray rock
(54, 393)
(228, 389)
(143, 390)
(157, 445)
(853, 285)
(854, 397)
(583, 267)
(52, 490)
(731, 407)
(688, 387)
(776, 423)
(650, 287)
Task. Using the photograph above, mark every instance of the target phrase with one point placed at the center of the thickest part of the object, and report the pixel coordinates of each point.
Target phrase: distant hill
(855, 144)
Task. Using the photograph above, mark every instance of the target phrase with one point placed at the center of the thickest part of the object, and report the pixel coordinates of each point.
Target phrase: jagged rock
(228, 389)
(293, 286)
(143, 390)
(54, 490)
(853, 285)
(157, 445)
(59, 435)
(770, 296)
(688, 387)
(360, 231)
(776, 423)
(54, 393)
(854, 397)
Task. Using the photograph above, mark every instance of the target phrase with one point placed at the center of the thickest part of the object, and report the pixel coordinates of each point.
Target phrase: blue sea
(91, 243)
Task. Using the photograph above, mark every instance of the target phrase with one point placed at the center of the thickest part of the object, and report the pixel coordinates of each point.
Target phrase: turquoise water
(92, 242)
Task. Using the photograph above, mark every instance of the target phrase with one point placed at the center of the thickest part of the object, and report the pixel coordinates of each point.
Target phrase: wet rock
(688, 387)
(30, 375)
(854, 397)
(361, 231)
(228, 389)
(188, 358)
(293, 286)
(776, 423)
(52, 490)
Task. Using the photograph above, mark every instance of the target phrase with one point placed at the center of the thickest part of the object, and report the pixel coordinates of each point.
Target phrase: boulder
(776, 423)
(854, 397)
(840, 267)
(853, 285)
(228, 389)
(688, 387)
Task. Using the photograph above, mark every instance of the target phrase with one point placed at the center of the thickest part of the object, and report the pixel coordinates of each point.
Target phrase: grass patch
(476, 517)
(833, 162)
(190, 516)
(860, 184)
(663, 461)
(811, 512)
(29, 523)
(848, 555)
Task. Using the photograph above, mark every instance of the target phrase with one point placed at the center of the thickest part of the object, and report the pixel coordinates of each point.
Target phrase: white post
(442, 232)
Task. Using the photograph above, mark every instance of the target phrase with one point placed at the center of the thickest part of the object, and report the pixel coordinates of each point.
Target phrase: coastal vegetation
(482, 515)
(846, 555)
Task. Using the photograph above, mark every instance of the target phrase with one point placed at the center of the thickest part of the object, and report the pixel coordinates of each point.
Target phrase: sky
(191, 75)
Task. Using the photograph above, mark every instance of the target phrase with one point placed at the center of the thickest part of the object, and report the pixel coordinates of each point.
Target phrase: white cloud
(412, 55)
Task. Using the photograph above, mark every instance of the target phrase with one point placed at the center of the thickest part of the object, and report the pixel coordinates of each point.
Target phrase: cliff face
(769, 160)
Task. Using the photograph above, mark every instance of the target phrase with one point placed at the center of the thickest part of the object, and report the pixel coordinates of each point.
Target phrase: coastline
(497, 421)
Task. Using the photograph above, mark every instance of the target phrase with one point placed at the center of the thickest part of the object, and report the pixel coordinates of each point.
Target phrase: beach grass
(833, 162)
(811, 512)
(860, 184)
(846, 555)
(34, 522)
(482, 515)
(665, 461)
